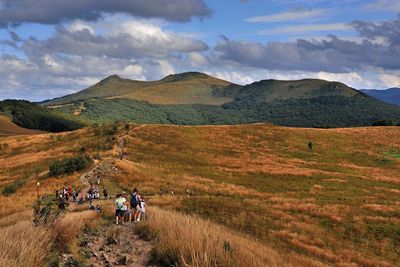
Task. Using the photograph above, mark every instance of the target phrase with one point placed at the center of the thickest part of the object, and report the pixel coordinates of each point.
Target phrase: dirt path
(118, 245)
(101, 169)
(111, 245)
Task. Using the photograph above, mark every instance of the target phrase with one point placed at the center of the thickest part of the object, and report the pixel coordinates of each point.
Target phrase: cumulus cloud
(330, 55)
(14, 12)
(197, 59)
(80, 54)
(241, 75)
(129, 40)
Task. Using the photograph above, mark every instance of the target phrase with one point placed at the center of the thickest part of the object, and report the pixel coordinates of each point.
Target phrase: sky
(49, 48)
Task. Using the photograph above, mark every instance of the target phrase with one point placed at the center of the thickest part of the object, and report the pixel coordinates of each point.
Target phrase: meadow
(334, 204)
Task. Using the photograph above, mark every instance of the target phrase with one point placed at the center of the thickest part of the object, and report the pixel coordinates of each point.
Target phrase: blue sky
(51, 50)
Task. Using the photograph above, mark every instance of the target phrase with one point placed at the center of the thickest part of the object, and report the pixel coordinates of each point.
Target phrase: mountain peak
(184, 76)
(112, 78)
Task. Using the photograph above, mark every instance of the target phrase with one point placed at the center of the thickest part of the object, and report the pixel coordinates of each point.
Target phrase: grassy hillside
(336, 204)
(185, 88)
(270, 91)
(390, 96)
(198, 99)
(32, 116)
(322, 112)
(9, 128)
(110, 110)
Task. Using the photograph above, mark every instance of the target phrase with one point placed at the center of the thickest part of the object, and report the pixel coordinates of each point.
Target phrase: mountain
(310, 103)
(195, 98)
(391, 95)
(184, 88)
(31, 116)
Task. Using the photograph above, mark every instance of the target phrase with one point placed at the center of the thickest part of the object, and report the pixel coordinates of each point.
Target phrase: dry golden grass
(22, 244)
(180, 92)
(338, 204)
(9, 128)
(263, 180)
(191, 241)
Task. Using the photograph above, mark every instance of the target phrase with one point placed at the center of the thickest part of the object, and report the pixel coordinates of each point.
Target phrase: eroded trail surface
(117, 245)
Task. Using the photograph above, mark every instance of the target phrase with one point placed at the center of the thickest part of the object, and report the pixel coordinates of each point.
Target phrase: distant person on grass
(119, 208)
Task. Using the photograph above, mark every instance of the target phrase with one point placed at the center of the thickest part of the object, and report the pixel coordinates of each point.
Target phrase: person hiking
(142, 208)
(127, 210)
(105, 193)
(135, 205)
(74, 195)
(119, 208)
(62, 203)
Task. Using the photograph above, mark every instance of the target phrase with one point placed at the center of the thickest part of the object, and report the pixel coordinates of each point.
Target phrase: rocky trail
(112, 245)
(117, 245)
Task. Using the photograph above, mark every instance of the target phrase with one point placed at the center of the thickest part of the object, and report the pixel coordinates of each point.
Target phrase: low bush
(69, 165)
(383, 123)
(14, 186)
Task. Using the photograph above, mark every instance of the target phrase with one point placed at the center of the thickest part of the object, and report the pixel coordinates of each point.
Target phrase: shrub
(383, 123)
(14, 186)
(69, 165)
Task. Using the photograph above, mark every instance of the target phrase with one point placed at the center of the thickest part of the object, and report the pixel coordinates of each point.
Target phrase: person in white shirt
(142, 208)
(119, 208)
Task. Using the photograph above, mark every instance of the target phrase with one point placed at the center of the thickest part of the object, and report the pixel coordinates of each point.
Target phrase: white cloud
(133, 70)
(79, 25)
(390, 80)
(387, 5)
(233, 76)
(197, 59)
(166, 68)
(304, 28)
(294, 15)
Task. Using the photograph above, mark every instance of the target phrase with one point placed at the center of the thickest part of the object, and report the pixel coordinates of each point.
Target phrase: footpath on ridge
(110, 245)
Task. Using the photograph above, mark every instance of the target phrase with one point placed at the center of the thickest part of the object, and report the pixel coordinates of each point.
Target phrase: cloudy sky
(50, 48)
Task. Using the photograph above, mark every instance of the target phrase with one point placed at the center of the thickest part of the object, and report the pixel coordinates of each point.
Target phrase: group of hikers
(64, 195)
(124, 209)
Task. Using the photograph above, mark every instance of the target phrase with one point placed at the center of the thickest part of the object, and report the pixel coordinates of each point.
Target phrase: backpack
(120, 203)
(134, 200)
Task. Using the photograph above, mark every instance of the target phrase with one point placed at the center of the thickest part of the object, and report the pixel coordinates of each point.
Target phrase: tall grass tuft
(182, 240)
(22, 244)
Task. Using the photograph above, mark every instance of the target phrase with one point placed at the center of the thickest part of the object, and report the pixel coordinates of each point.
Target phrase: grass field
(337, 204)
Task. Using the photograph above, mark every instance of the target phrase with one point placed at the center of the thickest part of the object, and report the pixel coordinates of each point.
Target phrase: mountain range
(391, 95)
(194, 98)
